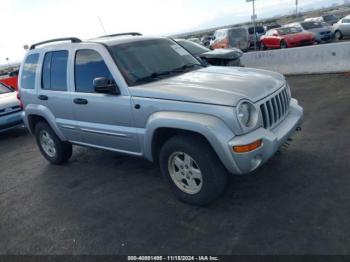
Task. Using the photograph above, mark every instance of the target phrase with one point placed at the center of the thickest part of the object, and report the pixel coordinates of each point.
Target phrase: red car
(285, 37)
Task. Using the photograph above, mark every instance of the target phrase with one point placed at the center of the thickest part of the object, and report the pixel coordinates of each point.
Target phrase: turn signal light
(247, 148)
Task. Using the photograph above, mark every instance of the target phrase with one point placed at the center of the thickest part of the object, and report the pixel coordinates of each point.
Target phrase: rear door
(53, 92)
(105, 120)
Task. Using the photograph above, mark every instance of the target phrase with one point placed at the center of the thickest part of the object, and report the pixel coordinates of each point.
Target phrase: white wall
(326, 58)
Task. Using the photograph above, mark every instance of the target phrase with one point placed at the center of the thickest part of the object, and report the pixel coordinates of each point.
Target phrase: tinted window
(193, 48)
(346, 21)
(89, 65)
(28, 72)
(55, 71)
(258, 30)
(311, 25)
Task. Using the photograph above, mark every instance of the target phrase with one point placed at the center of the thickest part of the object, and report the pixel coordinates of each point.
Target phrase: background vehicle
(322, 31)
(237, 37)
(206, 40)
(329, 19)
(285, 37)
(259, 32)
(10, 109)
(342, 28)
(11, 79)
(149, 97)
(271, 26)
(219, 57)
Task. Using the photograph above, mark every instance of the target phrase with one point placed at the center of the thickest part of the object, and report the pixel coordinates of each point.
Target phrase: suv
(149, 97)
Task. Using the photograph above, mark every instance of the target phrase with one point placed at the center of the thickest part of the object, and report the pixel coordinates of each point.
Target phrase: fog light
(247, 148)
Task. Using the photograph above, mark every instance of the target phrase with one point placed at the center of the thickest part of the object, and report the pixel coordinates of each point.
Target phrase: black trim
(17, 123)
(72, 39)
(10, 113)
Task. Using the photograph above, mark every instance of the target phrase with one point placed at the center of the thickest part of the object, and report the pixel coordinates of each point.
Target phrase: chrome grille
(274, 109)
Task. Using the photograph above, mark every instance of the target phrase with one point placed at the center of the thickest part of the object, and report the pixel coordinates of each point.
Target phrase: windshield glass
(311, 25)
(288, 30)
(329, 17)
(150, 60)
(193, 48)
(4, 89)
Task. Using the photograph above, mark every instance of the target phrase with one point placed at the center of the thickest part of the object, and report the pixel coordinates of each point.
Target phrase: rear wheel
(192, 169)
(283, 44)
(52, 148)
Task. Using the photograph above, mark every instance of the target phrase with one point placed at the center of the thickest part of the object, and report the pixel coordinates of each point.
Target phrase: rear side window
(54, 76)
(28, 72)
(89, 65)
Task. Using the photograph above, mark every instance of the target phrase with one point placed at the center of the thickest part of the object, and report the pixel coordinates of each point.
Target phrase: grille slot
(274, 109)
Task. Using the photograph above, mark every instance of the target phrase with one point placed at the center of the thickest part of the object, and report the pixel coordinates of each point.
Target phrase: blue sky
(28, 21)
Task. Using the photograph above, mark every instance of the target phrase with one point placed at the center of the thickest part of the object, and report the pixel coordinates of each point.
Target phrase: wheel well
(33, 120)
(161, 135)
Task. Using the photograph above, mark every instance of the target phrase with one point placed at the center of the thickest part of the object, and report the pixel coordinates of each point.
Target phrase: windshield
(330, 17)
(150, 60)
(311, 25)
(194, 48)
(4, 89)
(288, 30)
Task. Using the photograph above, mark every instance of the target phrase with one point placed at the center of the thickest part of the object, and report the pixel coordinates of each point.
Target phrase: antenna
(103, 28)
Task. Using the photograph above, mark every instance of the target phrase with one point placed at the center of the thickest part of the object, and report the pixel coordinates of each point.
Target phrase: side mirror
(105, 85)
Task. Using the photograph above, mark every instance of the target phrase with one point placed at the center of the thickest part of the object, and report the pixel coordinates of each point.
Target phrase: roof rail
(130, 33)
(72, 39)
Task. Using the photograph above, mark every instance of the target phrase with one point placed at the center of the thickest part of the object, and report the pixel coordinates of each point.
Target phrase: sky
(29, 21)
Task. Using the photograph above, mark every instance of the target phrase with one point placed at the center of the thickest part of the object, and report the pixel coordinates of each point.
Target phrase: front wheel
(338, 35)
(262, 46)
(52, 148)
(193, 170)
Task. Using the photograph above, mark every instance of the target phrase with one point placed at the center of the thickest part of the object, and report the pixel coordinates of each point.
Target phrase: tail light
(20, 101)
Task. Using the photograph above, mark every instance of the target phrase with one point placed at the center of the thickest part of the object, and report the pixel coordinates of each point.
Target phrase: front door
(105, 120)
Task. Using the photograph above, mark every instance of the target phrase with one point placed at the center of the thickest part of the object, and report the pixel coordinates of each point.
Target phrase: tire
(338, 35)
(283, 44)
(51, 147)
(213, 174)
(262, 46)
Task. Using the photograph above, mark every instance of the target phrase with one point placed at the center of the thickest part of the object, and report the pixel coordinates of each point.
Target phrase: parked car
(219, 57)
(237, 37)
(271, 26)
(286, 37)
(322, 31)
(329, 19)
(149, 97)
(206, 40)
(259, 32)
(11, 79)
(10, 108)
(342, 28)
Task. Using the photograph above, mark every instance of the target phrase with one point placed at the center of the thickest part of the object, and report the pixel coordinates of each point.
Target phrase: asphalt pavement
(105, 203)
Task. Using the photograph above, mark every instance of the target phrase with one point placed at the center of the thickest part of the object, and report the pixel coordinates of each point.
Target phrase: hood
(232, 53)
(214, 85)
(8, 100)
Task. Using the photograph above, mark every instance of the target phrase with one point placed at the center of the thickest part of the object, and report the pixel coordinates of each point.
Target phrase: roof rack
(72, 39)
(130, 33)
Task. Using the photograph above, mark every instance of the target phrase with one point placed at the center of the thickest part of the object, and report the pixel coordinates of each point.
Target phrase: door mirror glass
(105, 85)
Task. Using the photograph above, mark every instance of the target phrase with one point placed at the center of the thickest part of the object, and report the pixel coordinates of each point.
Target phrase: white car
(342, 28)
(10, 109)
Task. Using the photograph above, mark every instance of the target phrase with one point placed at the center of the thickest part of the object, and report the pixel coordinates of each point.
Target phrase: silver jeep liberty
(149, 97)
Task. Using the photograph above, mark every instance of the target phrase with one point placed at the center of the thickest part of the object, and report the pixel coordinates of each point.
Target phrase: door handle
(80, 101)
(43, 97)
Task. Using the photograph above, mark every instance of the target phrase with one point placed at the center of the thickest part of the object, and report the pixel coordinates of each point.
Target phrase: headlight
(247, 114)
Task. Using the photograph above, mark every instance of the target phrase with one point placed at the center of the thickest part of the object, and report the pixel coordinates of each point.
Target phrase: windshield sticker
(179, 50)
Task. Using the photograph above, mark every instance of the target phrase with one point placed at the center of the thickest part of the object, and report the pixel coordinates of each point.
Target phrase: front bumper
(272, 140)
(10, 121)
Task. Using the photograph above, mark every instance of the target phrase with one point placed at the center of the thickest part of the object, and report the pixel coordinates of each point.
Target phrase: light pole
(253, 20)
(296, 8)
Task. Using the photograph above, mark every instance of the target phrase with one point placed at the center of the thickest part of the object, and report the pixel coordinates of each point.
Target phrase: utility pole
(296, 8)
(253, 20)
